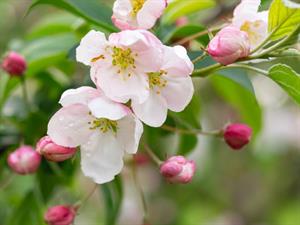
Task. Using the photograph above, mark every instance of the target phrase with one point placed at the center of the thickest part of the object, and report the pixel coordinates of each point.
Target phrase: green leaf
(282, 20)
(241, 99)
(288, 79)
(91, 10)
(7, 85)
(113, 196)
(178, 8)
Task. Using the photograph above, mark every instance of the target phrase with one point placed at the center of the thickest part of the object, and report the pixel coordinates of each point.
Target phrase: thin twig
(152, 155)
(192, 132)
(86, 198)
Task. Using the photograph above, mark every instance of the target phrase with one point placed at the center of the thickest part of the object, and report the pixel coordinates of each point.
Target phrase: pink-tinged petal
(101, 157)
(121, 87)
(82, 95)
(129, 132)
(149, 13)
(153, 111)
(102, 107)
(122, 15)
(92, 45)
(69, 126)
(245, 11)
(178, 92)
(176, 61)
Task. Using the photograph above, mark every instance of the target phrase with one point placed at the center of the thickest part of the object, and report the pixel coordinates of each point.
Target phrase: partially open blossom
(178, 169)
(247, 18)
(237, 135)
(229, 45)
(119, 65)
(137, 14)
(52, 151)
(24, 160)
(170, 87)
(60, 215)
(14, 64)
(105, 131)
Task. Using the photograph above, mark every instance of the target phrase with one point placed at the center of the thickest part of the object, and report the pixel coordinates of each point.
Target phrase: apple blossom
(119, 65)
(178, 169)
(170, 87)
(60, 215)
(24, 160)
(104, 129)
(247, 18)
(14, 64)
(229, 45)
(237, 135)
(137, 14)
(53, 152)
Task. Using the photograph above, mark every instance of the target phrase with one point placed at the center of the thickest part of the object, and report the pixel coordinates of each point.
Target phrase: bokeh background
(257, 186)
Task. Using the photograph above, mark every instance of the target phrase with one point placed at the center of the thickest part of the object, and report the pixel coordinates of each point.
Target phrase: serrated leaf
(282, 20)
(288, 79)
(90, 10)
(178, 8)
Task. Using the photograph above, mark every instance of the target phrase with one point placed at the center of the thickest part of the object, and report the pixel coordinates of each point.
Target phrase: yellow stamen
(136, 6)
(156, 80)
(104, 125)
(122, 58)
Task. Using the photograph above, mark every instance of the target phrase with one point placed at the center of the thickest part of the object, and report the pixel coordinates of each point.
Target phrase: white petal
(245, 11)
(129, 132)
(69, 126)
(153, 111)
(80, 95)
(91, 46)
(101, 157)
(178, 92)
(102, 107)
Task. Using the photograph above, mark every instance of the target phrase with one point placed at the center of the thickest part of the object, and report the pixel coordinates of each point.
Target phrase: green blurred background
(257, 186)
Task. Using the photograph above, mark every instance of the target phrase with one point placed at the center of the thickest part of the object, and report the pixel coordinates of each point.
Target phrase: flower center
(253, 29)
(104, 125)
(136, 6)
(123, 58)
(156, 80)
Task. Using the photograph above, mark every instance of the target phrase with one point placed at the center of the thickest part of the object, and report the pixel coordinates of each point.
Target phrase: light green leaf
(288, 79)
(91, 10)
(180, 8)
(282, 20)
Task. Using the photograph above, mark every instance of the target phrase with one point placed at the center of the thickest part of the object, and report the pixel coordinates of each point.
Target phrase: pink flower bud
(52, 151)
(178, 169)
(181, 21)
(60, 215)
(229, 45)
(14, 64)
(24, 160)
(237, 135)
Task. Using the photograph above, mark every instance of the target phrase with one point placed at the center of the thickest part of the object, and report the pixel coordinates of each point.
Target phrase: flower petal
(178, 92)
(69, 126)
(102, 107)
(101, 157)
(80, 95)
(122, 14)
(129, 132)
(153, 111)
(91, 46)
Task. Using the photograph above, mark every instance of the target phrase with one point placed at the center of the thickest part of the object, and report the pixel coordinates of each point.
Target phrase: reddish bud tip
(178, 169)
(237, 135)
(24, 160)
(14, 64)
(60, 215)
(52, 151)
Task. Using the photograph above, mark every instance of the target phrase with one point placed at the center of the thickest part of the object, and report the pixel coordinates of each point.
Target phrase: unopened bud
(60, 215)
(178, 169)
(52, 151)
(14, 64)
(24, 160)
(237, 135)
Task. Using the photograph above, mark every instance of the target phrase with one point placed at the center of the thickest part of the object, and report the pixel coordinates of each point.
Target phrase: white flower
(105, 130)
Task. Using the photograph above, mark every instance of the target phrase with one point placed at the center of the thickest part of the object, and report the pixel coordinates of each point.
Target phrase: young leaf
(288, 79)
(282, 19)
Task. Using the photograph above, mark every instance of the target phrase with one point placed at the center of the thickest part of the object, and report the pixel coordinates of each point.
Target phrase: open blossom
(60, 215)
(104, 129)
(247, 18)
(178, 169)
(170, 87)
(137, 14)
(52, 151)
(229, 45)
(119, 65)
